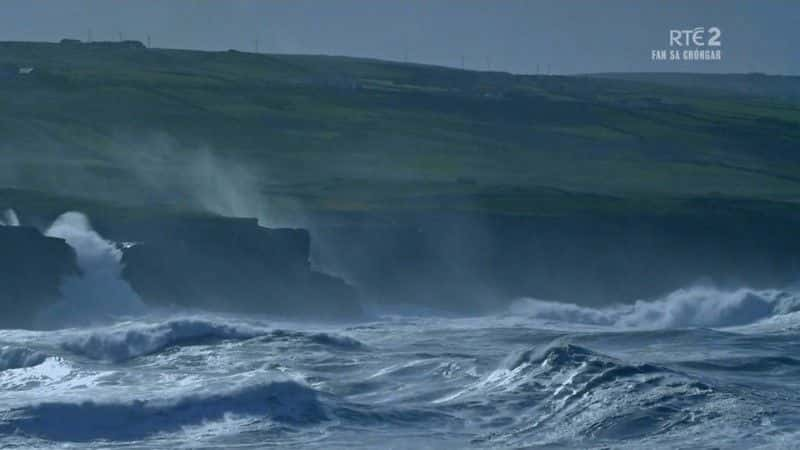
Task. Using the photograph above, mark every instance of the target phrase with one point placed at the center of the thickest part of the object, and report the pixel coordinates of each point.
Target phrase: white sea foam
(18, 357)
(99, 292)
(130, 340)
(9, 218)
(226, 381)
(700, 306)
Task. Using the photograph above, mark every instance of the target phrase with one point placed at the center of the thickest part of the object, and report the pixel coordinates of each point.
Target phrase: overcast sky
(577, 36)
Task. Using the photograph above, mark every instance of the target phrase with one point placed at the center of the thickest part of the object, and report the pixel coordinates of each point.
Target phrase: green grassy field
(134, 126)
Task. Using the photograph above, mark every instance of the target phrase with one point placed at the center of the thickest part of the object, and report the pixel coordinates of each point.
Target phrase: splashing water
(398, 382)
(698, 306)
(99, 293)
(547, 374)
(9, 218)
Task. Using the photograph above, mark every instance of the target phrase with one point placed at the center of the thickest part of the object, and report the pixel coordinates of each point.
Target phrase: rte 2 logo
(698, 37)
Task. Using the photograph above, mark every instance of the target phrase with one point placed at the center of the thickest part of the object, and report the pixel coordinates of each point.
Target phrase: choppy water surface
(544, 374)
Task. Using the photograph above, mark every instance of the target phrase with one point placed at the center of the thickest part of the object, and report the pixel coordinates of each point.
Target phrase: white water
(99, 293)
(698, 306)
(9, 219)
(701, 367)
(398, 382)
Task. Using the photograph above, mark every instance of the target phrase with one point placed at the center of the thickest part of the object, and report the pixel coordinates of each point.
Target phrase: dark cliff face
(215, 264)
(473, 263)
(31, 269)
(231, 265)
(461, 262)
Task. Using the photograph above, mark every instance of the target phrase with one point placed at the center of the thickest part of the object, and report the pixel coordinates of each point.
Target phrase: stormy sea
(701, 367)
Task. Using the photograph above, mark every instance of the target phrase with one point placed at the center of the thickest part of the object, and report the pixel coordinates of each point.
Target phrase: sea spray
(698, 306)
(99, 293)
(9, 218)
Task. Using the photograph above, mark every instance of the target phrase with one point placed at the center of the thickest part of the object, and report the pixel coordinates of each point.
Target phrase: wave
(287, 402)
(19, 357)
(324, 339)
(129, 340)
(766, 364)
(788, 322)
(563, 392)
(587, 369)
(126, 341)
(690, 307)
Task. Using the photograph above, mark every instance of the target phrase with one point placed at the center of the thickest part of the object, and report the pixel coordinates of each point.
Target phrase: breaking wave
(19, 357)
(287, 402)
(131, 340)
(324, 339)
(562, 392)
(689, 307)
(128, 340)
(416, 384)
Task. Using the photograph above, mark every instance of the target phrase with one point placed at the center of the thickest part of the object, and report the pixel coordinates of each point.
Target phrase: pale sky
(568, 36)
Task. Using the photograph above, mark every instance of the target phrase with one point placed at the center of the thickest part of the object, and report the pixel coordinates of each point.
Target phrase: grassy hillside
(781, 87)
(110, 122)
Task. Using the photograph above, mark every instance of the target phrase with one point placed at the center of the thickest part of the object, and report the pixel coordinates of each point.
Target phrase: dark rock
(232, 265)
(31, 269)
(471, 263)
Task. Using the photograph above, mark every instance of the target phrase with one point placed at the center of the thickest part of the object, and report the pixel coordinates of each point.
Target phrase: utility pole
(462, 62)
(120, 36)
(256, 45)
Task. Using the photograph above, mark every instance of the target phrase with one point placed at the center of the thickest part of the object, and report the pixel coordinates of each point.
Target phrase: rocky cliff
(231, 265)
(188, 261)
(31, 268)
(470, 262)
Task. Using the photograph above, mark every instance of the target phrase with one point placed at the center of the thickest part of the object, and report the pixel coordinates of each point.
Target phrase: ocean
(700, 368)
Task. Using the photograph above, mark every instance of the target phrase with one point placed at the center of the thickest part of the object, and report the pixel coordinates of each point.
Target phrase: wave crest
(689, 307)
(125, 342)
(19, 357)
(563, 392)
(282, 401)
(324, 339)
